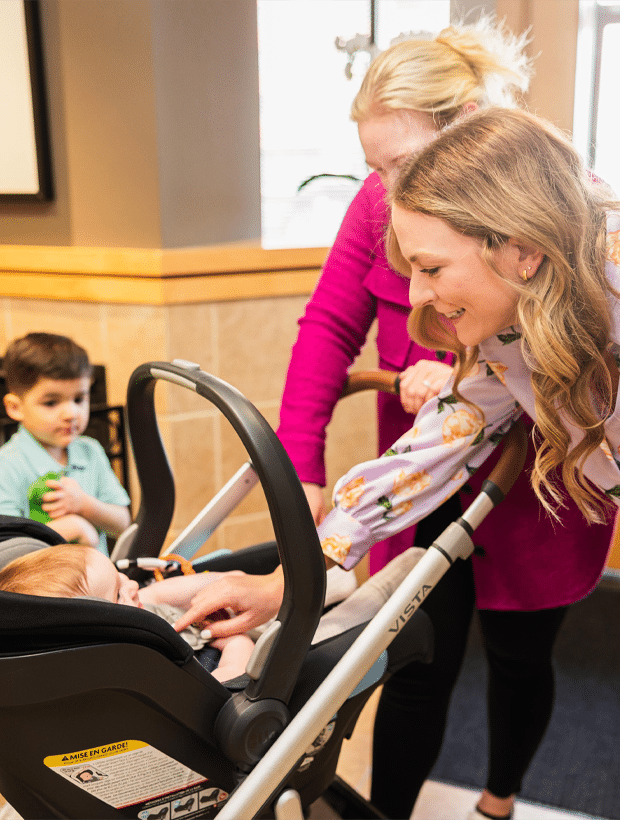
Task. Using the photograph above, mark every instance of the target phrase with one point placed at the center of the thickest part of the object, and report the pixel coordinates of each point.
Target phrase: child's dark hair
(43, 355)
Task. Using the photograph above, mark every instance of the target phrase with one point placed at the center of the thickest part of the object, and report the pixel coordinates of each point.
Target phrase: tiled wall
(247, 343)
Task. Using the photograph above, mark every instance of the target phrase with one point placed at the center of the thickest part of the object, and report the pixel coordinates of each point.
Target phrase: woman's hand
(421, 382)
(180, 590)
(255, 599)
(316, 501)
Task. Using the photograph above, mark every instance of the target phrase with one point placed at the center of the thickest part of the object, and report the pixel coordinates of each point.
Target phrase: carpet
(577, 766)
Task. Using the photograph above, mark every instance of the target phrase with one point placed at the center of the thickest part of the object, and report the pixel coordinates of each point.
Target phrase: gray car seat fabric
(14, 548)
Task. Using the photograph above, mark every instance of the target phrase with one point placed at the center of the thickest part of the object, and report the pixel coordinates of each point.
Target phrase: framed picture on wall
(25, 164)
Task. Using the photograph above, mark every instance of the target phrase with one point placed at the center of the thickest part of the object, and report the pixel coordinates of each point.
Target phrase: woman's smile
(449, 274)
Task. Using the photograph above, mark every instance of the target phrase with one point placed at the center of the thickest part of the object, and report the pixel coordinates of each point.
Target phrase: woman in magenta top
(531, 568)
(356, 287)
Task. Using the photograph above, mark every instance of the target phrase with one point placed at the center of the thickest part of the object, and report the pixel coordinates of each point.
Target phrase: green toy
(36, 491)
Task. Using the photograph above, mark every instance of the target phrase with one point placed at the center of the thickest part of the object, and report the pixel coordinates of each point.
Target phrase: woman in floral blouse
(527, 300)
(513, 256)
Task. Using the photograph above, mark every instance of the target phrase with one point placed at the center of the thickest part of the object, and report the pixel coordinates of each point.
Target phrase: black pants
(413, 708)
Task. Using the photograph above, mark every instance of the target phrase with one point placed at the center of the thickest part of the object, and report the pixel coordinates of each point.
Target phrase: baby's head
(69, 571)
(48, 387)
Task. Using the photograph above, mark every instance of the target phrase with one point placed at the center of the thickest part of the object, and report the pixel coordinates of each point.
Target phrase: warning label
(132, 773)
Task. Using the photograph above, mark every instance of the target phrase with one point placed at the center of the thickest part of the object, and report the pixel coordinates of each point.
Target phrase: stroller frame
(260, 710)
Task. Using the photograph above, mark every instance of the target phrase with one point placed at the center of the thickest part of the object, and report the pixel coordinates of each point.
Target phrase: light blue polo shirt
(23, 460)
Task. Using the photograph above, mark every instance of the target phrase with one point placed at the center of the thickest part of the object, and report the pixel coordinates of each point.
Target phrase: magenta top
(529, 563)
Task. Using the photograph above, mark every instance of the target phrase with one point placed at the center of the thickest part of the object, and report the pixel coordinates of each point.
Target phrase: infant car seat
(106, 712)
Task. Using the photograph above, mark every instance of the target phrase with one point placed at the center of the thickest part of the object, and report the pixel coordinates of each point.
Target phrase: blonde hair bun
(482, 63)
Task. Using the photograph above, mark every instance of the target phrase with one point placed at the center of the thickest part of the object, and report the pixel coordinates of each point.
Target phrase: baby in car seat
(73, 570)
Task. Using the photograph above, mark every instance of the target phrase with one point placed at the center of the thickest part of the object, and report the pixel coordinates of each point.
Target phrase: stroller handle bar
(298, 545)
(382, 380)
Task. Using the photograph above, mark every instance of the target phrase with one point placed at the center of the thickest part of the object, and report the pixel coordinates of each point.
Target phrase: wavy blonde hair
(480, 63)
(52, 572)
(500, 174)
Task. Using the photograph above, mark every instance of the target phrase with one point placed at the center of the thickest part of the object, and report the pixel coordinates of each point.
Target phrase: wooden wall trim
(157, 277)
(149, 291)
(156, 263)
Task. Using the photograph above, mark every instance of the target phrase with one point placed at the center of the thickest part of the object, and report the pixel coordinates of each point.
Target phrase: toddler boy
(48, 381)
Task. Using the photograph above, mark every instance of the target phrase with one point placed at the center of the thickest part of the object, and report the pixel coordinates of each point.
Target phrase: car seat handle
(296, 536)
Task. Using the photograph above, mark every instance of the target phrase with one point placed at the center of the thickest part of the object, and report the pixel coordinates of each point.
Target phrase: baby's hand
(66, 498)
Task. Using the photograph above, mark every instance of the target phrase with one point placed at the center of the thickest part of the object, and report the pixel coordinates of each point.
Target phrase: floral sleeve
(424, 467)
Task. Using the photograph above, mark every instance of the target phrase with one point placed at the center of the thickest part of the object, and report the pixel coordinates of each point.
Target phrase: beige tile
(351, 435)
(135, 334)
(368, 358)
(190, 337)
(236, 533)
(437, 801)
(193, 456)
(254, 344)
(352, 432)
(174, 437)
(234, 455)
(190, 331)
(79, 320)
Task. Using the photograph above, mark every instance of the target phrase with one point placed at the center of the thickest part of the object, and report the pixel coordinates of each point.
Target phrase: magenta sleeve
(331, 333)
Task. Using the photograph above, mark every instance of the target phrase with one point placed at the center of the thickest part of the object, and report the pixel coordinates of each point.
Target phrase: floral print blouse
(430, 462)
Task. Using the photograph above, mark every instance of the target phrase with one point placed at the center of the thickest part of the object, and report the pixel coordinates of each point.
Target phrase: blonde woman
(512, 256)
(513, 260)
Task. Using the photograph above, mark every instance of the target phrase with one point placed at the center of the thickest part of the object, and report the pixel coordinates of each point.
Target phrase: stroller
(106, 711)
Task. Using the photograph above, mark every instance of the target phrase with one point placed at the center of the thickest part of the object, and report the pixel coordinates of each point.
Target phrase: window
(305, 97)
(597, 117)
